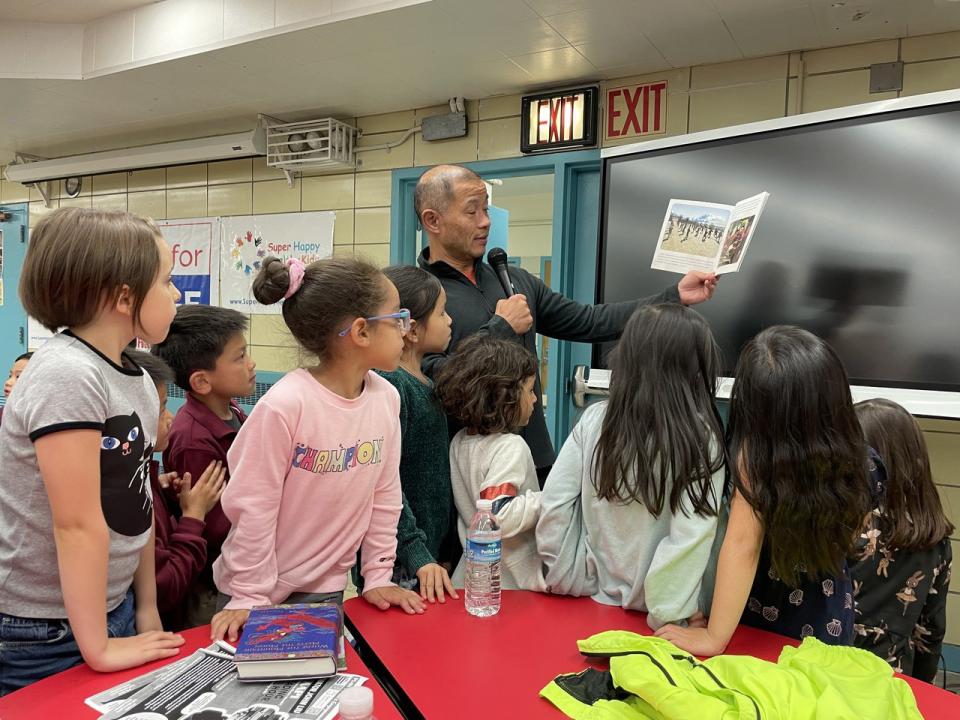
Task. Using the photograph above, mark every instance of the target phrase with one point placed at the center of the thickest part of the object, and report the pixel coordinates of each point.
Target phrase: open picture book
(707, 236)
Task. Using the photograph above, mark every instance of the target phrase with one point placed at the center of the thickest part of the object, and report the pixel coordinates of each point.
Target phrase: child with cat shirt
(76, 514)
(315, 468)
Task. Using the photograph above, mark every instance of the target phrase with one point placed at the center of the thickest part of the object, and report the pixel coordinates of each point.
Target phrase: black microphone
(497, 257)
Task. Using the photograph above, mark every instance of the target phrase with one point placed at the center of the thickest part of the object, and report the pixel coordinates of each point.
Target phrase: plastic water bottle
(356, 703)
(482, 583)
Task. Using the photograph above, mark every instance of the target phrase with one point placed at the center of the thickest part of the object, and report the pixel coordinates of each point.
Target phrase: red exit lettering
(559, 119)
(636, 110)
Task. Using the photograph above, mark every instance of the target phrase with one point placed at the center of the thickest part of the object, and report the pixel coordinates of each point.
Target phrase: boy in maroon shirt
(207, 351)
(180, 549)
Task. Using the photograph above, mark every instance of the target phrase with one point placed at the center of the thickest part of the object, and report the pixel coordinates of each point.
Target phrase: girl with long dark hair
(901, 564)
(801, 486)
(629, 511)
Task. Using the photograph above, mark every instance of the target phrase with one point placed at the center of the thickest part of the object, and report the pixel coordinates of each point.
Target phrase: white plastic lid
(356, 702)
(484, 505)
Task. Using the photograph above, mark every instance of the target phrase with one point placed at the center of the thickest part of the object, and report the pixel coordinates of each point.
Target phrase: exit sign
(636, 110)
(559, 120)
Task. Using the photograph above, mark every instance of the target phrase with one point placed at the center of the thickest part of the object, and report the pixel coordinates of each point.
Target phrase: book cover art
(280, 632)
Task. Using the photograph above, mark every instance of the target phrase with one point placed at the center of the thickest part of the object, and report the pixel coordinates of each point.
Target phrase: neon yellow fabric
(651, 678)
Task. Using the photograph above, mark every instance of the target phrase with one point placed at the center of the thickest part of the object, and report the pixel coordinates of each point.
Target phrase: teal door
(573, 262)
(13, 320)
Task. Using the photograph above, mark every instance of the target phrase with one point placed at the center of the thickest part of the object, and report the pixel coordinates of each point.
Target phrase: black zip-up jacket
(473, 309)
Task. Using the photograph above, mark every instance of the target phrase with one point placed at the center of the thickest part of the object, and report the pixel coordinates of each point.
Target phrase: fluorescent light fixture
(207, 149)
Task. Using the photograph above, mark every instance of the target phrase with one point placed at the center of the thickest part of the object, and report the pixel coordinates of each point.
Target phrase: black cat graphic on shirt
(125, 475)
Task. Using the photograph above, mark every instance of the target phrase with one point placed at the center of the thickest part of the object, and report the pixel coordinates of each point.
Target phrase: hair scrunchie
(296, 268)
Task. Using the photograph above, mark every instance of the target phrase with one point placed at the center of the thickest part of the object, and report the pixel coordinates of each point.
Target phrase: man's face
(464, 225)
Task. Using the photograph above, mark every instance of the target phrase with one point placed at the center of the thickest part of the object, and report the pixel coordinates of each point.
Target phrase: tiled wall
(699, 98)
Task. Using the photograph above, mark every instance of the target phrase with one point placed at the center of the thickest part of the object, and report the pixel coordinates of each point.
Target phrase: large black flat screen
(859, 241)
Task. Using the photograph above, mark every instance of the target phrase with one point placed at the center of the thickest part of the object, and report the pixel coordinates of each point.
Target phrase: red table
(61, 696)
(448, 664)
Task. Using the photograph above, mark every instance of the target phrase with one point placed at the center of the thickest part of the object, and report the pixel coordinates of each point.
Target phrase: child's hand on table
(434, 579)
(227, 624)
(386, 597)
(695, 640)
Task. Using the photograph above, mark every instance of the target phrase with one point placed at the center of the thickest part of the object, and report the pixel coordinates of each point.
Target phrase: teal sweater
(424, 473)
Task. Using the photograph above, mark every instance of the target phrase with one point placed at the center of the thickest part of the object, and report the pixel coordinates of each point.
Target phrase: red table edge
(22, 703)
(929, 693)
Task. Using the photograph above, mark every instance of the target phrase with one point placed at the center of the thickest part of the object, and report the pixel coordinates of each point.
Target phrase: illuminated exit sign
(559, 120)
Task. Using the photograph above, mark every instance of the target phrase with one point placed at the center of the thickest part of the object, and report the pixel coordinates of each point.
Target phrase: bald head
(437, 186)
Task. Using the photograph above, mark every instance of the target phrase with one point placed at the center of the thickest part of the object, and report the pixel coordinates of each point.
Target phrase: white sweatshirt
(619, 553)
(499, 468)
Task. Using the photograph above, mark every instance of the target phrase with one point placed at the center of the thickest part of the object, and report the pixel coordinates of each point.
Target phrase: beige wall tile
(186, 175)
(953, 619)
(379, 254)
(80, 202)
(262, 171)
(343, 251)
(37, 210)
(109, 184)
(821, 92)
(705, 77)
(498, 138)
(343, 228)
(372, 189)
(944, 449)
(230, 171)
(950, 497)
(11, 192)
(151, 204)
(274, 196)
(793, 98)
(328, 192)
(931, 76)
(275, 359)
(850, 56)
(152, 179)
(794, 66)
(447, 151)
(738, 104)
(236, 199)
(187, 202)
(110, 202)
(386, 159)
(930, 47)
(85, 184)
(387, 122)
(270, 330)
(371, 226)
(499, 107)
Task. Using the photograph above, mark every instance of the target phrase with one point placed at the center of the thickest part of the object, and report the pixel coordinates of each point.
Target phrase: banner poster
(195, 247)
(248, 239)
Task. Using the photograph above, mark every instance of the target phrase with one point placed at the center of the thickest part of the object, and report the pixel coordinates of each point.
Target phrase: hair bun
(271, 283)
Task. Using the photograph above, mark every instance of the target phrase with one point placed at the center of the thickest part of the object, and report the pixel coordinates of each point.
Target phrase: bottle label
(483, 552)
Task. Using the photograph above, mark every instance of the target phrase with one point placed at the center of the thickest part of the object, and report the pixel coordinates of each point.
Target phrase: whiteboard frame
(924, 403)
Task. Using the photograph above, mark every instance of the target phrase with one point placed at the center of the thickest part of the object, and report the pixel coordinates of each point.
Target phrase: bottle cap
(356, 702)
(484, 505)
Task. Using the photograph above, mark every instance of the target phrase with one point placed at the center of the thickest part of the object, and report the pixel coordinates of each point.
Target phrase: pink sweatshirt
(313, 478)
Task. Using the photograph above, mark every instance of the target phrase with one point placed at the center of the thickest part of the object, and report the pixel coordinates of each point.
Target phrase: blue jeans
(32, 649)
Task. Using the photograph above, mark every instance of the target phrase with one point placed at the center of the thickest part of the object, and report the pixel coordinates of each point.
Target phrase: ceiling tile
(556, 66)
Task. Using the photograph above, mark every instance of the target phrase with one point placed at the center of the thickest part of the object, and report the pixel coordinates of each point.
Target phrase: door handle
(579, 387)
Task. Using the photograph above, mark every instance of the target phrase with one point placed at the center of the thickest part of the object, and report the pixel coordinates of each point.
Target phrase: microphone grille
(496, 255)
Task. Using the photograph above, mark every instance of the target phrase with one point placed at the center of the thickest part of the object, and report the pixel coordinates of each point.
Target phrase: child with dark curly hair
(488, 387)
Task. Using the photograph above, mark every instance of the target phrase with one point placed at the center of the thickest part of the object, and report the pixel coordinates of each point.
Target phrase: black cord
(943, 665)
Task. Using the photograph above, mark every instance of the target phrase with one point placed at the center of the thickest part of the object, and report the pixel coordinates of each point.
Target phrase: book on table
(293, 641)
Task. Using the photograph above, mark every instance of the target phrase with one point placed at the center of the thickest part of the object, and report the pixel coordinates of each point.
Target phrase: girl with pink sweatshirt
(314, 471)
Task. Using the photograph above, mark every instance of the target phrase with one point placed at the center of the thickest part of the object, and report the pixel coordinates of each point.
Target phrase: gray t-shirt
(69, 385)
